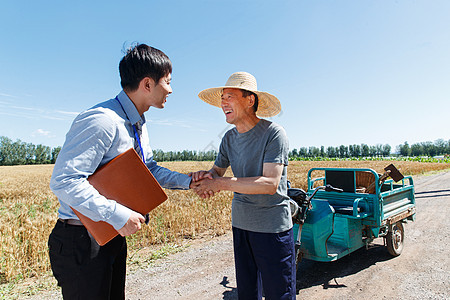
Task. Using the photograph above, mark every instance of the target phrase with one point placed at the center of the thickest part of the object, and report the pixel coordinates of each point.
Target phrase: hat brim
(268, 104)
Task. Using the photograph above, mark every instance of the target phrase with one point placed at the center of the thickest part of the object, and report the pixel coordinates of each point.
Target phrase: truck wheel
(394, 239)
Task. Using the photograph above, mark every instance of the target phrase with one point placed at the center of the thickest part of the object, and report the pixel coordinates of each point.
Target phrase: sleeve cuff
(187, 182)
(120, 216)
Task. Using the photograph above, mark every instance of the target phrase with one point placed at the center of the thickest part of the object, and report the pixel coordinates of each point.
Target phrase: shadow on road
(311, 273)
(231, 294)
(434, 194)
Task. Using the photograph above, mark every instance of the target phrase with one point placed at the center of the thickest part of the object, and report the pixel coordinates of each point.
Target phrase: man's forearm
(248, 185)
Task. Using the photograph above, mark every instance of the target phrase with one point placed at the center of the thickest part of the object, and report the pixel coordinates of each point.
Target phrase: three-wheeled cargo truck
(345, 209)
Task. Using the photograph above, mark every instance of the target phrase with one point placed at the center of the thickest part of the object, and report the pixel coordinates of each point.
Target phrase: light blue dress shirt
(96, 136)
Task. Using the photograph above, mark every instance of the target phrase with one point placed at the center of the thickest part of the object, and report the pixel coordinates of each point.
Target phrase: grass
(28, 212)
(146, 255)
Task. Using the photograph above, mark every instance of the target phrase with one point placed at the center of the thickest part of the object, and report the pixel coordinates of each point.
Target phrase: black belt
(74, 222)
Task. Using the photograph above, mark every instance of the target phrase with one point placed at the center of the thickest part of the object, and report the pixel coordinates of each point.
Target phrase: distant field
(28, 211)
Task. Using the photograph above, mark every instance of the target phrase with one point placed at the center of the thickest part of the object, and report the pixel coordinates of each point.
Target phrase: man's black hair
(246, 93)
(143, 61)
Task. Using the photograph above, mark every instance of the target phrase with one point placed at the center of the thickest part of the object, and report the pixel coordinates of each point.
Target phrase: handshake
(205, 183)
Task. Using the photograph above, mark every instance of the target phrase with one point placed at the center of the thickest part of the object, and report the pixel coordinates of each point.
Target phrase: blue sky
(346, 72)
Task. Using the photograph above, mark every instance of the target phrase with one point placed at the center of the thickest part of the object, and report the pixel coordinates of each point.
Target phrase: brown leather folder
(127, 180)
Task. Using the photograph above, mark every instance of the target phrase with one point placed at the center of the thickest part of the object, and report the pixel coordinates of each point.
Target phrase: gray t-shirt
(246, 153)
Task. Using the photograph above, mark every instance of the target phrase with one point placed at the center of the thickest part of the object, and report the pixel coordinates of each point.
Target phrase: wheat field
(28, 211)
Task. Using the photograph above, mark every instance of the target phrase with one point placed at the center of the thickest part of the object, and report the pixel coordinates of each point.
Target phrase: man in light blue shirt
(84, 269)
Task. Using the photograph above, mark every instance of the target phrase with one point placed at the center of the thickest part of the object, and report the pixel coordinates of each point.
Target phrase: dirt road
(422, 271)
(206, 271)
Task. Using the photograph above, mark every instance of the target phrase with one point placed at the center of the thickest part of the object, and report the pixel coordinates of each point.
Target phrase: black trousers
(83, 269)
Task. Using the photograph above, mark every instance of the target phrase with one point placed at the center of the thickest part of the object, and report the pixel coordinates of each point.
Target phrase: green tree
(55, 153)
(322, 151)
(365, 150)
(440, 146)
(303, 152)
(42, 154)
(386, 150)
(354, 150)
(404, 149)
(30, 153)
(18, 153)
(343, 151)
(313, 152)
(6, 157)
(331, 152)
(416, 150)
(294, 153)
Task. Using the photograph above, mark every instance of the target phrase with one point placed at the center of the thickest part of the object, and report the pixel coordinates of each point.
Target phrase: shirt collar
(130, 109)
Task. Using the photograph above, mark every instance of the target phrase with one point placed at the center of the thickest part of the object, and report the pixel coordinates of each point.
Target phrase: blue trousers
(264, 261)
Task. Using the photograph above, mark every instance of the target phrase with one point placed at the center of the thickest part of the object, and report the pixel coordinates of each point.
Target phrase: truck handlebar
(330, 188)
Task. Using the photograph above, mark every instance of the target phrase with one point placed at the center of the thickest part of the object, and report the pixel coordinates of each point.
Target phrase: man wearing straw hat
(257, 151)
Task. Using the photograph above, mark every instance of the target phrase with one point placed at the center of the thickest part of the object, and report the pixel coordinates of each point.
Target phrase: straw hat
(268, 105)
